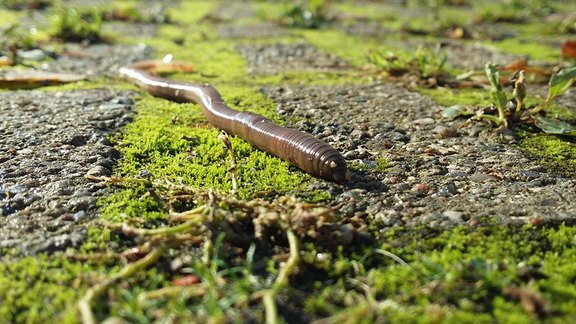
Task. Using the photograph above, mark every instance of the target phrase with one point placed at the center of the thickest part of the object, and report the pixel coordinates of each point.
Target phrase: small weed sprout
(14, 38)
(497, 94)
(427, 64)
(430, 61)
(515, 110)
(72, 25)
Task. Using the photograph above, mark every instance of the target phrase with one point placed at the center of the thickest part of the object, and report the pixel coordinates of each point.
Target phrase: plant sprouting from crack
(74, 25)
(427, 64)
(515, 110)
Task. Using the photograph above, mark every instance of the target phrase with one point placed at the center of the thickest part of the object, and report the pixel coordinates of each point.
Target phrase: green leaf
(555, 126)
(496, 92)
(561, 82)
(499, 99)
(493, 76)
(457, 110)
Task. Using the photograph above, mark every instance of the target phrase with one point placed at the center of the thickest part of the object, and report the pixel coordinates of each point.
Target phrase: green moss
(314, 78)
(448, 97)
(345, 46)
(174, 141)
(382, 164)
(190, 11)
(368, 11)
(9, 16)
(534, 50)
(559, 112)
(472, 97)
(556, 153)
(460, 274)
(39, 289)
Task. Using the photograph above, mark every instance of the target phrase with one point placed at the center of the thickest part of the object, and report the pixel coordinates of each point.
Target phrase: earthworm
(300, 149)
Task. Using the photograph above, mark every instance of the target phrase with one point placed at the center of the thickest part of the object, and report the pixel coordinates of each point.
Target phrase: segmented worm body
(300, 149)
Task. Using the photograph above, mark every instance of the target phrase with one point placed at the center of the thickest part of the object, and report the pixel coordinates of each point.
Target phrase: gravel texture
(276, 58)
(439, 174)
(250, 31)
(97, 60)
(49, 142)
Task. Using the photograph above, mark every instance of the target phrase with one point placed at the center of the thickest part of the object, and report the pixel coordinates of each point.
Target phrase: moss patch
(557, 153)
(535, 51)
(9, 17)
(342, 45)
(36, 289)
(190, 11)
(469, 275)
(448, 97)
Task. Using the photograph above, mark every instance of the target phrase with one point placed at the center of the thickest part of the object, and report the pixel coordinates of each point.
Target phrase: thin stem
(134, 231)
(84, 305)
(393, 257)
(269, 296)
(496, 120)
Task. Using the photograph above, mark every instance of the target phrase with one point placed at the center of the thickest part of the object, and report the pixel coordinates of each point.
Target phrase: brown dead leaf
(157, 66)
(29, 79)
(569, 49)
(531, 300)
(522, 64)
(188, 280)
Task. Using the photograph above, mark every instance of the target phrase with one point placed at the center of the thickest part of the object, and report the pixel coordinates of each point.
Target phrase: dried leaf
(28, 79)
(157, 66)
(531, 300)
(569, 49)
(522, 64)
(186, 281)
(517, 65)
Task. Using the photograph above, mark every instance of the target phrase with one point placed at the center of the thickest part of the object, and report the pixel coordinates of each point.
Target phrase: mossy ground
(464, 274)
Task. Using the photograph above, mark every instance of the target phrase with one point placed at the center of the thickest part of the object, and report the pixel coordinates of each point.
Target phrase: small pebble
(423, 121)
(453, 215)
(98, 171)
(79, 215)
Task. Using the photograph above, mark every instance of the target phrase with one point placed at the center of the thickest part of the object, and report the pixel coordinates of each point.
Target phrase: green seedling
(496, 90)
(430, 61)
(426, 62)
(516, 110)
(497, 94)
(73, 25)
(17, 36)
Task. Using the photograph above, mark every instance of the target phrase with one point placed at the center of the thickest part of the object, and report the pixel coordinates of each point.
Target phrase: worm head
(338, 172)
